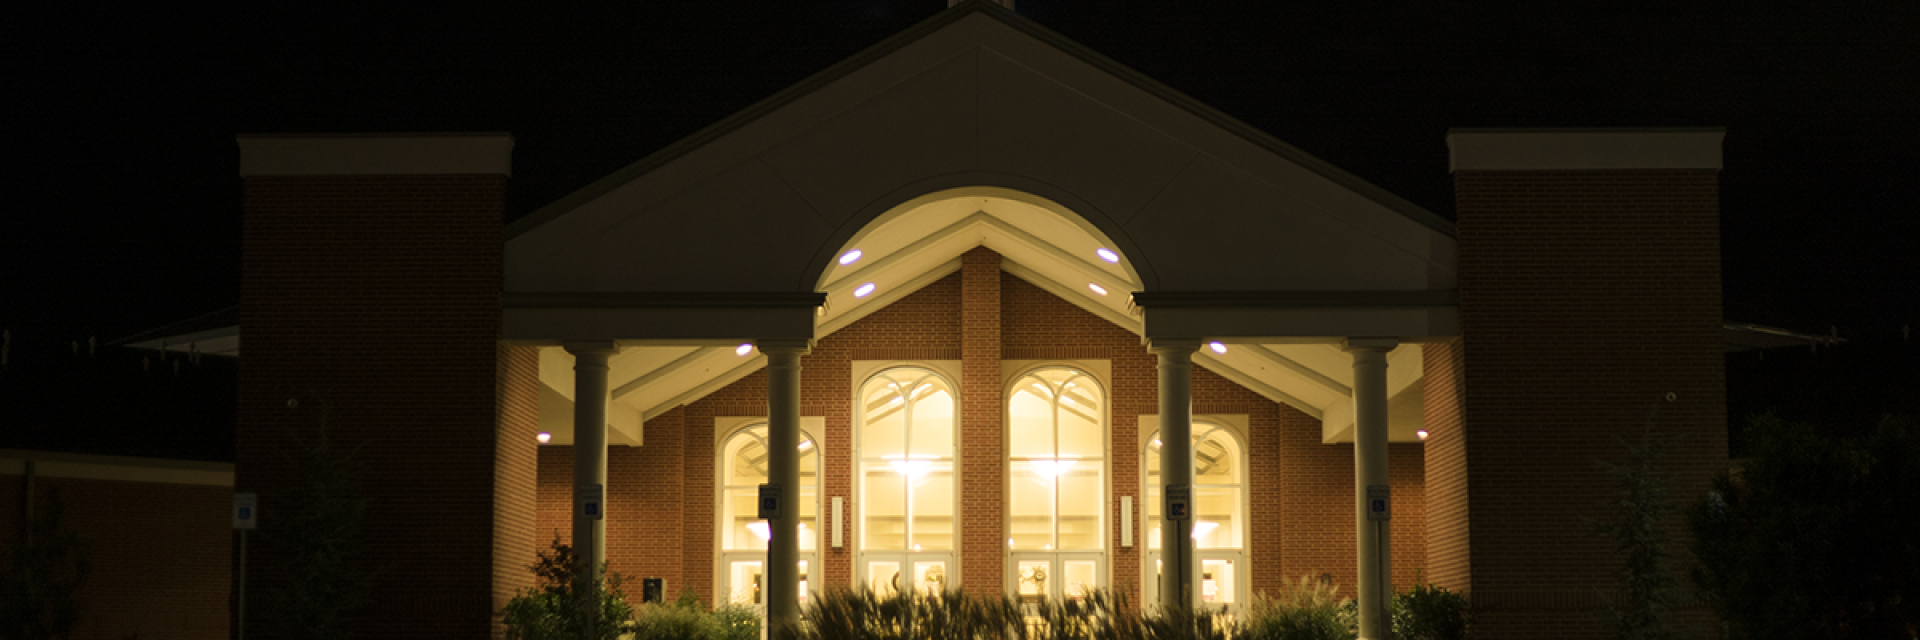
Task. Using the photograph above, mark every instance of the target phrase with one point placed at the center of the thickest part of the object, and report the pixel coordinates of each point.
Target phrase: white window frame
(1015, 373)
(1236, 427)
(725, 430)
(863, 558)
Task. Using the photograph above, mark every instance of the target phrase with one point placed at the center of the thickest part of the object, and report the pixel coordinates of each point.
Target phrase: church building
(982, 309)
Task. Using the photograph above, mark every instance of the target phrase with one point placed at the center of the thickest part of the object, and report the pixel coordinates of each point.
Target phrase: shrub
(1306, 611)
(45, 569)
(555, 610)
(1431, 612)
(1814, 538)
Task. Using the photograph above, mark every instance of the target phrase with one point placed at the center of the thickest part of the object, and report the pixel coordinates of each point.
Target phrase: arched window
(1219, 519)
(1056, 470)
(743, 535)
(905, 432)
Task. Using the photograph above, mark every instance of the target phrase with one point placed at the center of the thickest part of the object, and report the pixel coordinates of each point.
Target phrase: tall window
(1056, 469)
(1219, 519)
(905, 433)
(743, 535)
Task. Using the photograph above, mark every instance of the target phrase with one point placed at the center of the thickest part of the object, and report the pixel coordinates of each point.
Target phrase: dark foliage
(323, 536)
(1815, 537)
(44, 572)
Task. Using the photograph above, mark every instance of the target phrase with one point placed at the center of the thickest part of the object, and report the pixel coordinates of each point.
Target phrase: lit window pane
(932, 420)
(1030, 509)
(933, 509)
(1080, 507)
(885, 504)
(1030, 432)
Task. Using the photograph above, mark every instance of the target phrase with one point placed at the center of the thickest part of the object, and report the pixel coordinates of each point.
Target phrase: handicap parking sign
(1379, 502)
(769, 502)
(1179, 502)
(592, 501)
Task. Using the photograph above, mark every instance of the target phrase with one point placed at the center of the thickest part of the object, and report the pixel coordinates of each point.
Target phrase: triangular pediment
(978, 96)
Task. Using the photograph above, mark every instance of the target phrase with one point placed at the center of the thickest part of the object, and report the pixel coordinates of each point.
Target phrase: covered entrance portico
(1213, 243)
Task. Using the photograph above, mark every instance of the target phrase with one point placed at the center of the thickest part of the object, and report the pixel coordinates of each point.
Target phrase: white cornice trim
(1584, 149)
(376, 154)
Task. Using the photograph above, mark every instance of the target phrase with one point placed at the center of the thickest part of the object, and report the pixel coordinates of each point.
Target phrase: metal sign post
(246, 517)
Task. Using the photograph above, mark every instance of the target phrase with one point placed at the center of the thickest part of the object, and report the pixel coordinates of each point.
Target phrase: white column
(1176, 468)
(783, 469)
(1370, 469)
(590, 451)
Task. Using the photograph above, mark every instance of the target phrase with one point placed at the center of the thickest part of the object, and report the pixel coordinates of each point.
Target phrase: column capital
(1369, 343)
(1187, 345)
(802, 347)
(591, 347)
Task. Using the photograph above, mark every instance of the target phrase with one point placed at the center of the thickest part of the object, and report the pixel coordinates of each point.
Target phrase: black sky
(121, 200)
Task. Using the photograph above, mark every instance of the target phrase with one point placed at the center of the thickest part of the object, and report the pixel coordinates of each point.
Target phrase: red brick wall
(1446, 477)
(515, 468)
(1585, 296)
(982, 455)
(647, 496)
(162, 554)
(377, 297)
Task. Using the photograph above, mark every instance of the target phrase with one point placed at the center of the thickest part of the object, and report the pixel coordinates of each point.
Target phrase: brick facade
(1585, 297)
(162, 554)
(1300, 490)
(375, 301)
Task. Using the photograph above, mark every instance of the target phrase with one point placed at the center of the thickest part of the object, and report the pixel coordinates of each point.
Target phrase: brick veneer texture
(162, 554)
(375, 301)
(1301, 491)
(1585, 296)
(516, 469)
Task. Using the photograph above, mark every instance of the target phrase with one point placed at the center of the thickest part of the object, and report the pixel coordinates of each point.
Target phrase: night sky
(121, 198)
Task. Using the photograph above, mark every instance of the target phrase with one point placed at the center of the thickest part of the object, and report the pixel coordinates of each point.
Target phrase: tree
(1637, 523)
(44, 574)
(327, 582)
(1815, 537)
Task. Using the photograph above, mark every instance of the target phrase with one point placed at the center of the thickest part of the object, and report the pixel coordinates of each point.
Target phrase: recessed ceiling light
(850, 257)
(1217, 347)
(744, 349)
(544, 437)
(1097, 288)
(863, 290)
(1108, 255)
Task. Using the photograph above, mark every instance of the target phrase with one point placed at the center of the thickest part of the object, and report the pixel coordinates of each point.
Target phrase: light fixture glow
(805, 445)
(1108, 255)
(744, 349)
(544, 437)
(1203, 528)
(863, 290)
(1422, 434)
(761, 529)
(1156, 442)
(1097, 288)
(850, 257)
(1217, 347)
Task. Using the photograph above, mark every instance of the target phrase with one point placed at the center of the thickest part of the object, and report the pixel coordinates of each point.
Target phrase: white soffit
(1584, 149)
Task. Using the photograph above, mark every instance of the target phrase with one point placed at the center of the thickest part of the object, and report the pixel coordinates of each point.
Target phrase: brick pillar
(1589, 289)
(370, 290)
(515, 473)
(982, 449)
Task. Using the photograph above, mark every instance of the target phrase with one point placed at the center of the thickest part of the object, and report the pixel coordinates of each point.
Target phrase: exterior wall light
(850, 257)
(1108, 255)
(1097, 288)
(863, 290)
(744, 349)
(1217, 347)
(544, 437)
(1421, 434)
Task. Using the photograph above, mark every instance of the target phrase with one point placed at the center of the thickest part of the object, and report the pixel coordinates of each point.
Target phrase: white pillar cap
(1578, 149)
